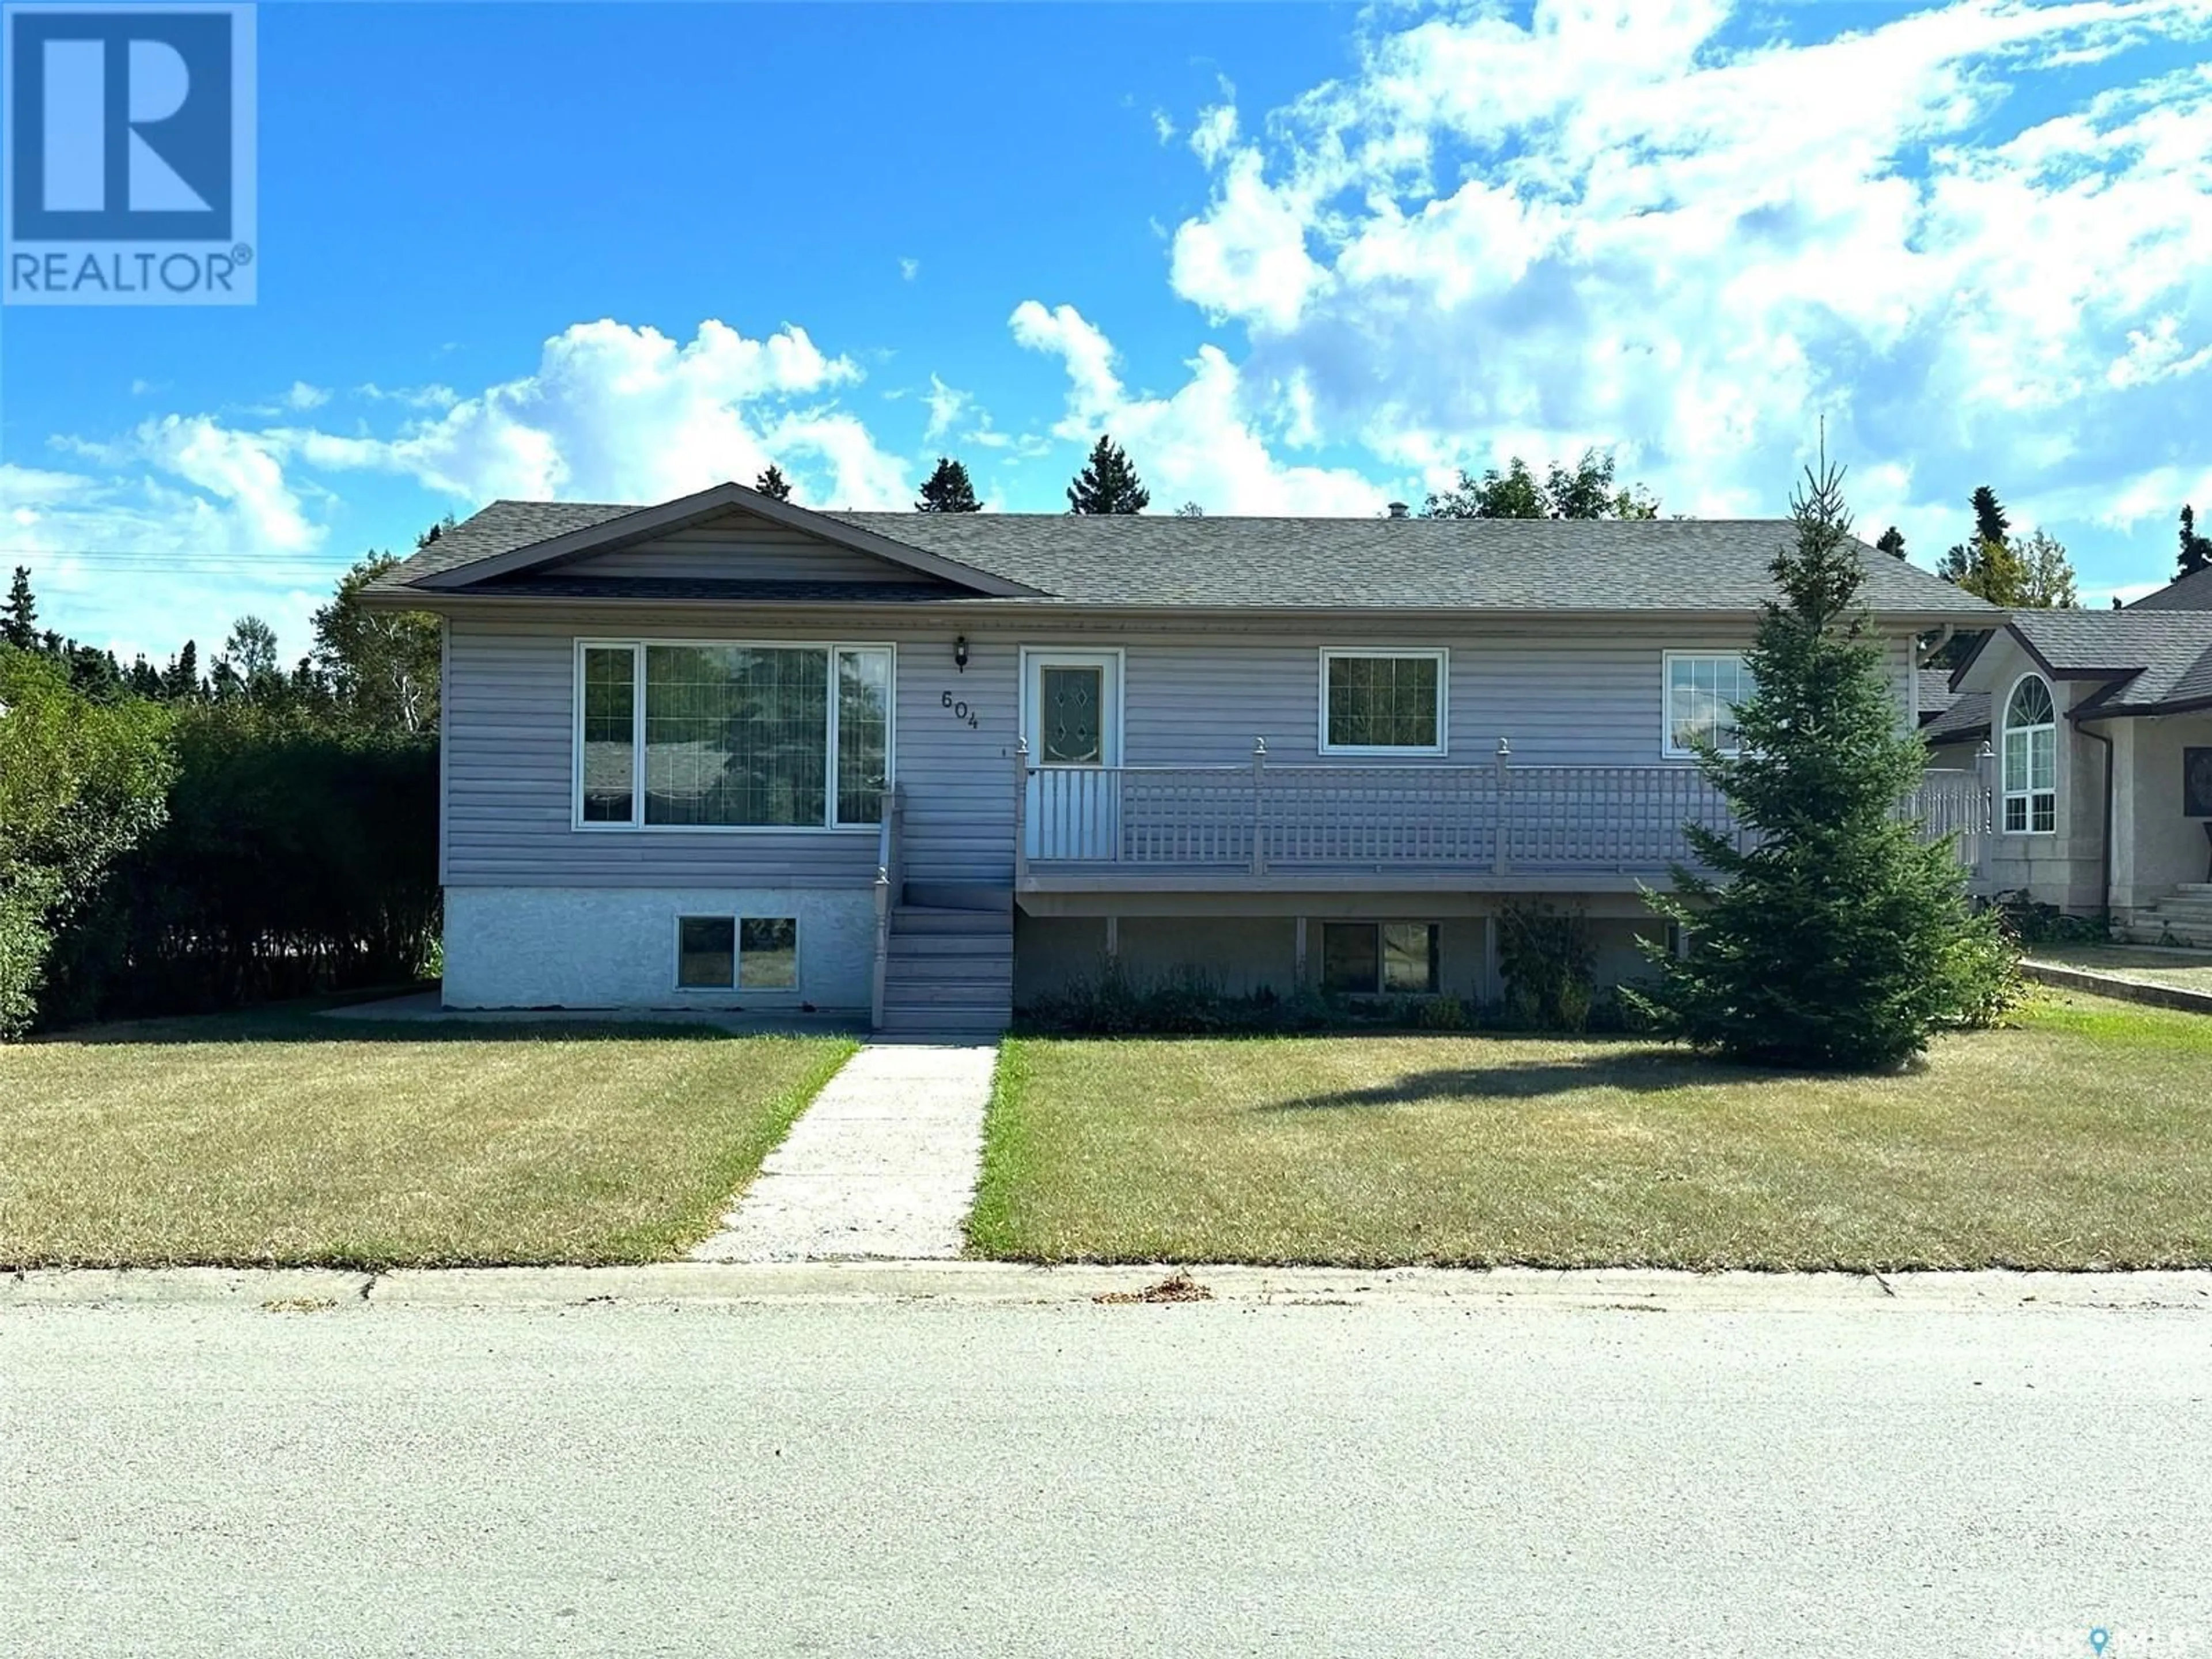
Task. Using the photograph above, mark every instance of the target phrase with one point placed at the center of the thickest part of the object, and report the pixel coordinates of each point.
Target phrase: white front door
(1071, 717)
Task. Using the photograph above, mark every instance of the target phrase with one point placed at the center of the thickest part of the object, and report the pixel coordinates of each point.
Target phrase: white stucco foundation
(596, 947)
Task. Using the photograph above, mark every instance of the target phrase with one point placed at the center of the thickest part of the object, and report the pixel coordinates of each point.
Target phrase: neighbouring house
(2101, 724)
(2189, 592)
(726, 750)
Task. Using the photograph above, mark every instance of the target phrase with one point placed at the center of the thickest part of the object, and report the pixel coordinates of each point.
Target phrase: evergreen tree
(18, 618)
(1990, 522)
(1838, 939)
(1987, 564)
(181, 681)
(2196, 550)
(948, 490)
(773, 484)
(1190, 510)
(1892, 542)
(1108, 483)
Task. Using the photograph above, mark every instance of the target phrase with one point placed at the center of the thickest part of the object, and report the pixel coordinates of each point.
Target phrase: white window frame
(635, 645)
(1668, 746)
(2006, 793)
(1436, 654)
(737, 985)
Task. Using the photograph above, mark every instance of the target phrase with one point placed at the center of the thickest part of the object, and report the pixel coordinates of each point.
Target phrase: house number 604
(961, 711)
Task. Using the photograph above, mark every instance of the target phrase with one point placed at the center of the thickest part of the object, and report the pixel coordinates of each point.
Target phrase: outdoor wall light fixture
(960, 653)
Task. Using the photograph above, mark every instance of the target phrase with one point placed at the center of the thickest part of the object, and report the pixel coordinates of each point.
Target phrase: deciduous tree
(382, 665)
(1586, 491)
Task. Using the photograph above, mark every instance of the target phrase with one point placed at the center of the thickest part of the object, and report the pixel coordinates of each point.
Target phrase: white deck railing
(1501, 817)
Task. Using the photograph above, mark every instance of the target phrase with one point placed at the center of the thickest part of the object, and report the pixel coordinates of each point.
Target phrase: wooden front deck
(1500, 827)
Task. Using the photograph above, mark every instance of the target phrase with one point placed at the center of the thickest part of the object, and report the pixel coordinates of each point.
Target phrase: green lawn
(2081, 1138)
(290, 1140)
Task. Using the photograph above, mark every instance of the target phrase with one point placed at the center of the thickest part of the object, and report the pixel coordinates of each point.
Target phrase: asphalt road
(1067, 1480)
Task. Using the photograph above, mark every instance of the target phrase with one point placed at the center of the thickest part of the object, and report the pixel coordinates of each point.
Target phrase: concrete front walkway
(883, 1163)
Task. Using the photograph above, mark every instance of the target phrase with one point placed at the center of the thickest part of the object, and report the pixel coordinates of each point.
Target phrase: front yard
(2081, 1139)
(283, 1139)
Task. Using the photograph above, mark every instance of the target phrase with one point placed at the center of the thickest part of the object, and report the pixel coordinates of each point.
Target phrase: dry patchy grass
(2081, 1138)
(285, 1139)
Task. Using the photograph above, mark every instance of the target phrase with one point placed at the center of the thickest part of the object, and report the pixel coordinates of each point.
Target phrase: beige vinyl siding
(510, 715)
(742, 549)
(1564, 692)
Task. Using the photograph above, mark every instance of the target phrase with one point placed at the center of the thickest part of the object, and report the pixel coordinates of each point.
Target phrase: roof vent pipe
(1397, 509)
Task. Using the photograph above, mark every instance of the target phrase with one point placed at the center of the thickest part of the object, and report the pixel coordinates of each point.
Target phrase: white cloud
(432, 396)
(617, 412)
(1617, 223)
(946, 406)
(1086, 354)
(1201, 443)
(143, 561)
(1164, 128)
(1216, 128)
(909, 268)
(303, 396)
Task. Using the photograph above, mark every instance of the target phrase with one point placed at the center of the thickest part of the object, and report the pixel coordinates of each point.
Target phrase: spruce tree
(1892, 542)
(2196, 550)
(19, 619)
(1108, 483)
(773, 484)
(948, 489)
(181, 682)
(1838, 939)
(1991, 523)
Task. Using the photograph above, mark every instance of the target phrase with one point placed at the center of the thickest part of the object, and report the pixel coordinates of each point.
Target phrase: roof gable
(597, 533)
(2151, 660)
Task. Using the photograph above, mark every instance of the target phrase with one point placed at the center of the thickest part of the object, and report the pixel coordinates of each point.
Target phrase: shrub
(81, 783)
(1443, 1013)
(1549, 966)
(297, 856)
(2030, 921)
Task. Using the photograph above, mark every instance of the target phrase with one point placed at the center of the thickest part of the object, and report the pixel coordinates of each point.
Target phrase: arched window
(2031, 760)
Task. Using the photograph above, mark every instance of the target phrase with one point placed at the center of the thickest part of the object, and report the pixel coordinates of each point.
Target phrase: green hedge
(296, 856)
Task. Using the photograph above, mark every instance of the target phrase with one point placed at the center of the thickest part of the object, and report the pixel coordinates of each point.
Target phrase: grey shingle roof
(1266, 563)
(2155, 657)
(1965, 718)
(2191, 593)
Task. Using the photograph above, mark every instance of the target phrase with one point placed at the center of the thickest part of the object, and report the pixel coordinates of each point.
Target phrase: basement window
(768, 953)
(1373, 959)
(706, 953)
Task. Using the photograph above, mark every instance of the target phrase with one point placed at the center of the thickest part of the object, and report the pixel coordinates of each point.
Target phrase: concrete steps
(951, 972)
(2183, 916)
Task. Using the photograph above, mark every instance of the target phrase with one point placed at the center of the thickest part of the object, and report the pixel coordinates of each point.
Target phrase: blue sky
(1302, 257)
